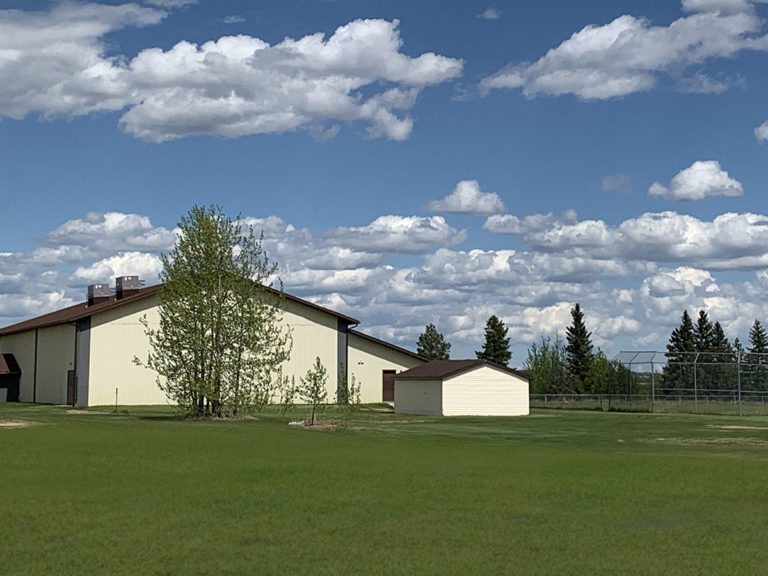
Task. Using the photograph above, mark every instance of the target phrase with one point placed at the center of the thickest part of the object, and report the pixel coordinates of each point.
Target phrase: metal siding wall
(314, 335)
(419, 397)
(485, 391)
(55, 356)
(22, 346)
(367, 361)
(117, 336)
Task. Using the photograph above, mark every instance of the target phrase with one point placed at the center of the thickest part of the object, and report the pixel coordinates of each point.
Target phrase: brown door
(388, 386)
(71, 388)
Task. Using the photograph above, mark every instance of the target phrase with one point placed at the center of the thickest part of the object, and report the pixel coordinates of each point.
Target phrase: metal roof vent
(127, 285)
(98, 293)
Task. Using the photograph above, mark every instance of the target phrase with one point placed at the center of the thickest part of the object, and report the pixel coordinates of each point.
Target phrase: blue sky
(408, 162)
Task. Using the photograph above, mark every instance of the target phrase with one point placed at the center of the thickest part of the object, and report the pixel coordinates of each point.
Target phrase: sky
(408, 162)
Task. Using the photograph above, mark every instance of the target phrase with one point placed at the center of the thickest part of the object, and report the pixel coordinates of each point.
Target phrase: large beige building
(83, 355)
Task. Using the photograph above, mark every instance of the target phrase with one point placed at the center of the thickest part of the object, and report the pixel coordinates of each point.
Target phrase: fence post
(738, 377)
(695, 387)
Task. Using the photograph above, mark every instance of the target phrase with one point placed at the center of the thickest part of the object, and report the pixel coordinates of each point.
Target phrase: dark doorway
(71, 388)
(388, 385)
(10, 378)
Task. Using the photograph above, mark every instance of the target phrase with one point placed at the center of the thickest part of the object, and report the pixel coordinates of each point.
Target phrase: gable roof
(387, 344)
(83, 310)
(439, 369)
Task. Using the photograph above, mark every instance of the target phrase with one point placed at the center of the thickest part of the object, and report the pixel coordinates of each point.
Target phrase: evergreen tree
(704, 337)
(496, 345)
(432, 344)
(757, 357)
(723, 356)
(681, 350)
(578, 350)
(219, 343)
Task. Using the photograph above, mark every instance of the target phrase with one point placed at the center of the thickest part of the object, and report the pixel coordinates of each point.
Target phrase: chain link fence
(692, 382)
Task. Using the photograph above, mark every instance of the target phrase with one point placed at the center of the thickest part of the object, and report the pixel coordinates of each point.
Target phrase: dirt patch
(737, 427)
(87, 412)
(7, 424)
(757, 442)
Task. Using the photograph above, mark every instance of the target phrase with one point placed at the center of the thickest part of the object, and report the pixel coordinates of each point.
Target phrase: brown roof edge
(82, 310)
(388, 344)
(438, 369)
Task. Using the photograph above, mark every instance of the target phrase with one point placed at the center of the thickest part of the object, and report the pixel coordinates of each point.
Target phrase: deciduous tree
(312, 388)
(220, 342)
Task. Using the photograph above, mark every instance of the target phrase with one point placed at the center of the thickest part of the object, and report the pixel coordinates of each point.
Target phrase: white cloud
(729, 242)
(112, 231)
(490, 13)
(511, 224)
(400, 234)
(146, 266)
(467, 198)
(234, 86)
(617, 183)
(700, 180)
(57, 59)
(761, 132)
(628, 54)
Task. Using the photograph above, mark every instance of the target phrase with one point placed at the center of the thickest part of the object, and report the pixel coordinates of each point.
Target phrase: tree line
(700, 355)
(553, 366)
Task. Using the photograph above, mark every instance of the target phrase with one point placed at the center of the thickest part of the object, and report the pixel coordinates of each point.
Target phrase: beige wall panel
(367, 361)
(55, 356)
(485, 391)
(22, 346)
(117, 335)
(314, 334)
(418, 397)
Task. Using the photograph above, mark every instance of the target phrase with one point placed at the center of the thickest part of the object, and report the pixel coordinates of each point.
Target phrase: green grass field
(559, 492)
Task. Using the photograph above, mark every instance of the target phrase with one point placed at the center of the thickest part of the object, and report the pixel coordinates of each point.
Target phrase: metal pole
(695, 388)
(738, 377)
(653, 388)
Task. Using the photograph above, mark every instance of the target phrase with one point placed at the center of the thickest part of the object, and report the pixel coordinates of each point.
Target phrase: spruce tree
(432, 344)
(496, 345)
(578, 350)
(680, 354)
(757, 356)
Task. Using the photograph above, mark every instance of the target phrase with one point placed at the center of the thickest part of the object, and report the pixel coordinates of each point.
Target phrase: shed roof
(8, 364)
(439, 369)
(83, 310)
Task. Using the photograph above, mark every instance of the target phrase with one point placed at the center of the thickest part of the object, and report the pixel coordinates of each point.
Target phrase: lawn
(558, 492)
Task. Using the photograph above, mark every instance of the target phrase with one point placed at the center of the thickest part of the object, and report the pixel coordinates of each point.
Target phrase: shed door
(71, 390)
(388, 385)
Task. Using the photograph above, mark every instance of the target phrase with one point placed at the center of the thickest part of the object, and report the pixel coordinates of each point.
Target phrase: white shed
(462, 388)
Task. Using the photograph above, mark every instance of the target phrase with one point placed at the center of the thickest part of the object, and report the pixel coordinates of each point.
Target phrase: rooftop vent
(127, 285)
(98, 293)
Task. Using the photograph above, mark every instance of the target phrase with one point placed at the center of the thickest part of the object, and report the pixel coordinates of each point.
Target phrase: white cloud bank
(233, 86)
(702, 179)
(467, 198)
(633, 279)
(629, 54)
